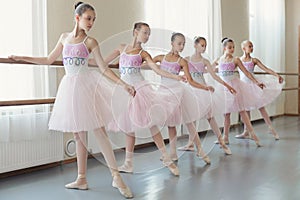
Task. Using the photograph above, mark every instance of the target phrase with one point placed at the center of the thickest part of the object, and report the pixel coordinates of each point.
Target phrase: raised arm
(189, 78)
(266, 69)
(239, 63)
(216, 77)
(55, 53)
(151, 63)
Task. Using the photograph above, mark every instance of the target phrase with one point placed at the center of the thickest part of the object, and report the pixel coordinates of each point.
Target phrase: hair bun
(225, 38)
(78, 4)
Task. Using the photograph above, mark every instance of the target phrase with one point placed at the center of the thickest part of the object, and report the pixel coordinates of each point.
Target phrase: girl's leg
(81, 153)
(245, 134)
(190, 145)
(226, 128)
(267, 119)
(127, 167)
(173, 142)
(158, 139)
(249, 127)
(109, 156)
(214, 126)
(194, 135)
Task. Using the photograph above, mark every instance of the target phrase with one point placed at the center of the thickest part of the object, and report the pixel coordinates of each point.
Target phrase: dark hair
(225, 41)
(139, 25)
(174, 35)
(198, 38)
(81, 7)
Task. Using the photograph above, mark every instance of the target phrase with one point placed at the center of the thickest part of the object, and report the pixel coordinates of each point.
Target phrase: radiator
(30, 153)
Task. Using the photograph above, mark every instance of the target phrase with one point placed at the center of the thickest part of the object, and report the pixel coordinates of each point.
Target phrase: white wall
(291, 53)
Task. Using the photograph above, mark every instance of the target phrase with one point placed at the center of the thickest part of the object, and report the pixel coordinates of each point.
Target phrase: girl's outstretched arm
(266, 69)
(189, 78)
(216, 77)
(239, 63)
(106, 70)
(55, 53)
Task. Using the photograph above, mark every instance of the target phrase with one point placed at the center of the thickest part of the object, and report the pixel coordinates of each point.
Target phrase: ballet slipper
(273, 132)
(188, 147)
(124, 190)
(203, 156)
(79, 184)
(255, 138)
(244, 135)
(126, 167)
(225, 148)
(171, 166)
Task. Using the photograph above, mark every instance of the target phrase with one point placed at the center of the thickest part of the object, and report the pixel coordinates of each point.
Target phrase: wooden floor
(271, 172)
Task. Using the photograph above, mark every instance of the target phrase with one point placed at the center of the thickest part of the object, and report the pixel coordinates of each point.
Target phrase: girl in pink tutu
(243, 98)
(197, 67)
(141, 112)
(190, 108)
(83, 98)
(270, 93)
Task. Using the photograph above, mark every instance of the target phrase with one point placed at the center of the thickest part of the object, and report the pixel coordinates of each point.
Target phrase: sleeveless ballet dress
(83, 98)
(213, 99)
(147, 108)
(243, 97)
(189, 107)
(270, 92)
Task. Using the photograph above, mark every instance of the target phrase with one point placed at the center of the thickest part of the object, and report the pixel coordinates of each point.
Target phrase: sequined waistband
(129, 70)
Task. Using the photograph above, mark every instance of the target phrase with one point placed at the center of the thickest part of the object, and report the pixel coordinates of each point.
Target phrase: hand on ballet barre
(13, 57)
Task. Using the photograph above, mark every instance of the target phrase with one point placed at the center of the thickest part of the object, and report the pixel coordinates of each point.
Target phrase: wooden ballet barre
(23, 102)
(10, 61)
(292, 88)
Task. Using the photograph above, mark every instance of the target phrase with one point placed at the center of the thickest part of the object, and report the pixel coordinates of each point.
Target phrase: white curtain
(267, 32)
(192, 18)
(25, 81)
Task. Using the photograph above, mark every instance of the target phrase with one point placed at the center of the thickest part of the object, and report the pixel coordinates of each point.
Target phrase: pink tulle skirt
(243, 98)
(83, 102)
(269, 93)
(214, 100)
(147, 109)
(189, 106)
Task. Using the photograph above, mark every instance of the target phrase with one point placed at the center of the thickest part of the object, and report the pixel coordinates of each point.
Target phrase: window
(192, 18)
(23, 33)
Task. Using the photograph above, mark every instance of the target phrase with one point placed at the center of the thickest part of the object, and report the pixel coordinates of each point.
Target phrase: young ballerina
(189, 108)
(137, 115)
(80, 105)
(243, 98)
(273, 87)
(197, 67)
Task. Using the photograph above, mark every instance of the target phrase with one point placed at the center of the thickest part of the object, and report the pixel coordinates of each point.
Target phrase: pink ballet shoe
(225, 148)
(244, 135)
(172, 167)
(255, 138)
(186, 148)
(76, 185)
(126, 168)
(125, 191)
(204, 157)
(273, 132)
